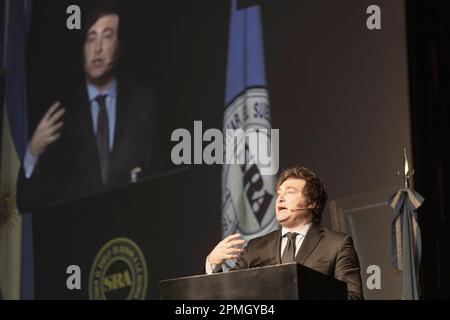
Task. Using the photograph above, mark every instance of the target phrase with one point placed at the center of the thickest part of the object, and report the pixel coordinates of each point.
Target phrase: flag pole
(406, 243)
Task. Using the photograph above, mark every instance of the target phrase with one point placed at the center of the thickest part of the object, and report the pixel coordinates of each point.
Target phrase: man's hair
(314, 190)
(98, 9)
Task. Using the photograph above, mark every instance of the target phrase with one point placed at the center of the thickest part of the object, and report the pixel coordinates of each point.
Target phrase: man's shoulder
(135, 87)
(335, 237)
(333, 234)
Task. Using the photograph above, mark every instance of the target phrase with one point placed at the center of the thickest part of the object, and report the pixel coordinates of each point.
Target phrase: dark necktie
(289, 251)
(103, 137)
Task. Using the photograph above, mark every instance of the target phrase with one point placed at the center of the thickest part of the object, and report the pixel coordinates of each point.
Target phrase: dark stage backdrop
(339, 92)
(340, 98)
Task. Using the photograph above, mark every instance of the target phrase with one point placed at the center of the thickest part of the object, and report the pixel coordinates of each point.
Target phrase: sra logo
(119, 272)
(117, 281)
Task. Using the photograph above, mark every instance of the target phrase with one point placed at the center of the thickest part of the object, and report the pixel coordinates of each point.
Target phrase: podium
(124, 240)
(290, 281)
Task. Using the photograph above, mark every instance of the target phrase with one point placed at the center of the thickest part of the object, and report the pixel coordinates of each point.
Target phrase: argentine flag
(16, 254)
(248, 196)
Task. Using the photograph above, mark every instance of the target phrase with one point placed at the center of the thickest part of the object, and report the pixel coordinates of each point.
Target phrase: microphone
(299, 209)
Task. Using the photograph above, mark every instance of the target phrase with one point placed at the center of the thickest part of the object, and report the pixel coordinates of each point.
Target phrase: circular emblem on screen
(119, 272)
(248, 201)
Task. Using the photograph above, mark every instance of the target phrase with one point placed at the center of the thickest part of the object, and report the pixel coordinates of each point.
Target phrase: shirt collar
(93, 92)
(300, 230)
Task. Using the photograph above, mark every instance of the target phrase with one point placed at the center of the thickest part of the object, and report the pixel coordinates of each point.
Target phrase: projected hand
(48, 130)
(226, 249)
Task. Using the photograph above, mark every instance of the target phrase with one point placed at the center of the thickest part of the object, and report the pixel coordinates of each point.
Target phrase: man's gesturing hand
(226, 249)
(47, 130)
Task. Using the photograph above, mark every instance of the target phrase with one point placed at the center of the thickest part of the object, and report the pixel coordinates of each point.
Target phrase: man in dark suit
(301, 198)
(109, 129)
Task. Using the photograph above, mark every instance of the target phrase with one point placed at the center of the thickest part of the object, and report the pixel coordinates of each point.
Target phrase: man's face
(290, 196)
(100, 47)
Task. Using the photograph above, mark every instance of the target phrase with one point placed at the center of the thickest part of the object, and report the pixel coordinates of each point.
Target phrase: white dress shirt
(301, 234)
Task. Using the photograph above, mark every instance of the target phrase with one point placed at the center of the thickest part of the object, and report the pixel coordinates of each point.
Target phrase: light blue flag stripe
(405, 204)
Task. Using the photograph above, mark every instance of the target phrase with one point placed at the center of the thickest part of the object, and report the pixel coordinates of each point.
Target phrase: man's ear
(312, 205)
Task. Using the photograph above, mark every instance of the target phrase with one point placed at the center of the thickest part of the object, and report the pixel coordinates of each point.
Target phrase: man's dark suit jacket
(328, 252)
(70, 168)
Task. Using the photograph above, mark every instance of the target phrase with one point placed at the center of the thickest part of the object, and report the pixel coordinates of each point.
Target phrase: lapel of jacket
(277, 243)
(312, 238)
(87, 156)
